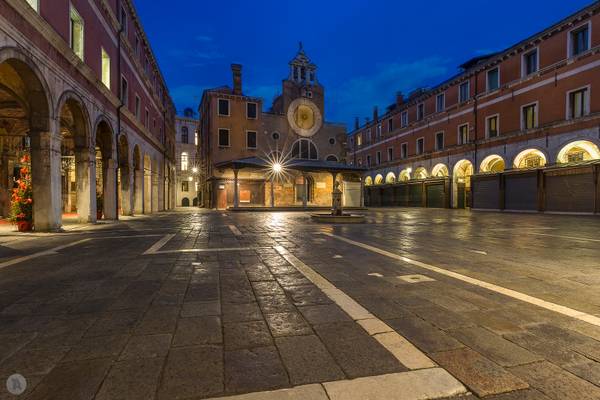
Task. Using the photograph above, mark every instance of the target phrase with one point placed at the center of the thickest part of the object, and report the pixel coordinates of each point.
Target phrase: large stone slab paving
(135, 379)
(494, 347)
(323, 314)
(197, 331)
(200, 309)
(526, 394)
(425, 336)
(481, 375)
(246, 335)
(147, 346)
(556, 383)
(97, 347)
(275, 304)
(158, 320)
(241, 312)
(254, 370)
(442, 318)
(550, 350)
(307, 360)
(192, 371)
(287, 324)
(355, 351)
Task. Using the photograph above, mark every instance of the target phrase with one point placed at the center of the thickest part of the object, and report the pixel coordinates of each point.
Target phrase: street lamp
(277, 168)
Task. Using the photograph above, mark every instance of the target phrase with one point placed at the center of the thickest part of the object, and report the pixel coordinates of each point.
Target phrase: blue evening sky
(366, 51)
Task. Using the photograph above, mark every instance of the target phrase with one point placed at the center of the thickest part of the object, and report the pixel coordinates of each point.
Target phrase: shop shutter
(415, 195)
(388, 196)
(486, 192)
(570, 190)
(402, 195)
(436, 196)
(521, 191)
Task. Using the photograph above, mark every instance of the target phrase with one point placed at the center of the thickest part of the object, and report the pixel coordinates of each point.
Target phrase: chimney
(356, 124)
(375, 114)
(236, 70)
(399, 98)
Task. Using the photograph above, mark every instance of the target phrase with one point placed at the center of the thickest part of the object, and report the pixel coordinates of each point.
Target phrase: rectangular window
(359, 140)
(251, 140)
(390, 125)
(440, 102)
(491, 126)
(185, 186)
(420, 112)
(493, 79)
(251, 110)
(138, 106)
(105, 68)
(223, 137)
(76, 25)
(420, 145)
(378, 131)
(137, 45)
(184, 161)
(368, 136)
(529, 117)
(530, 62)
(580, 40)
(147, 119)
(123, 20)
(404, 150)
(439, 141)
(378, 155)
(124, 92)
(404, 119)
(464, 92)
(578, 103)
(463, 134)
(224, 107)
(368, 161)
(390, 154)
(34, 4)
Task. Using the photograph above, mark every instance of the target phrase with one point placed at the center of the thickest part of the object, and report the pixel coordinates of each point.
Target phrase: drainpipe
(121, 105)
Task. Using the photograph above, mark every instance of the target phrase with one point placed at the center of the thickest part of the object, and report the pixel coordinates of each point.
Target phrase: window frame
(537, 115)
(524, 73)
(437, 103)
(248, 132)
(487, 79)
(404, 121)
(460, 141)
(228, 137)
(103, 57)
(255, 111)
(184, 165)
(587, 98)
(390, 125)
(368, 160)
(187, 186)
(124, 94)
(460, 99)
(73, 9)
(438, 148)
(570, 44)
(219, 107)
(390, 153)
(420, 151)
(404, 150)
(487, 125)
(420, 111)
(378, 157)
(138, 107)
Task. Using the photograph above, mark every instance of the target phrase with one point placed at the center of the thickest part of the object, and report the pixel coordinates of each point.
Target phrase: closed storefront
(388, 196)
(521, 191)
(486, 191)
(415, 195)
(570, 190)
(436, 194)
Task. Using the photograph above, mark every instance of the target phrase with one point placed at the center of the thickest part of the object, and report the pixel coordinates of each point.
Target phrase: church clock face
(304, 117)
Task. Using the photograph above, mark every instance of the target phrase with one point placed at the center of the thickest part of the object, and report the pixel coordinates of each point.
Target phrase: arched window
(332, 158)
(184, 161)
(185, 135)
(304, 149)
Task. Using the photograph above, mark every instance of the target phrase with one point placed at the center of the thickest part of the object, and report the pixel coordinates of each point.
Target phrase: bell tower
(302, 82)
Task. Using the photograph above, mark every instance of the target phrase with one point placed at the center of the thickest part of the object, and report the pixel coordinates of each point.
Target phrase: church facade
(289, 156)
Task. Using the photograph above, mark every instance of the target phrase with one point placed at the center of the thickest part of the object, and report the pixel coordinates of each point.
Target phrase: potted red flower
(22, 199)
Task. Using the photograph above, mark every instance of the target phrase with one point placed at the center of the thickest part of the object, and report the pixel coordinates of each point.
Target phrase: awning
(295, 164)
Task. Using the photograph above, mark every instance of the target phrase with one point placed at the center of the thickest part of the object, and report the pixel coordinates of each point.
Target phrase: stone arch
(27, 129)
(332, 158)
(492, 164)
(390, 178)
(440, 171)
(368, 181)
(125, 176)
(147, 184)
(185, 202)
(404, 175)
(138, 180)
(530, 158)
(420, 173)
(378, 179)
(106, 178)
(578, 151)
(461, 183)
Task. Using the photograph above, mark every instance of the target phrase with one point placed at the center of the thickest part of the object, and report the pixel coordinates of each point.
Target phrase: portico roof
(295, 164)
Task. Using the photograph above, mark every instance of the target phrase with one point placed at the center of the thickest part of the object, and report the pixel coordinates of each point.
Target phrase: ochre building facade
(82, 94)
(515, 130)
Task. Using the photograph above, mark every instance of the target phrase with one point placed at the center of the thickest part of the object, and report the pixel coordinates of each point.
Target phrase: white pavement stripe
(209, 249)
(591, 319)
(433, 383)
(564, 237)
(40, 254)
(235, 230)
(128, 236)
(158, 245)
(398, 346)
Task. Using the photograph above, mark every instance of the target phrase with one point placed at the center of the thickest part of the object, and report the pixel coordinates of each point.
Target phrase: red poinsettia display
(22, 197)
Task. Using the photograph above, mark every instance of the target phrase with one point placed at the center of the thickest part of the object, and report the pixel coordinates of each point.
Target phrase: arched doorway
(106, 179)
(138, 181)
(578, 151)
(420, 173)
(368, 181)
(493, 164)
(404, 175)
(195, 202)
(302, 187)
(185, 202)
(439, 171)
(125, 178)
(530, 159)
(461, 184)
(379, 179)
(26, 139)
(390, 178)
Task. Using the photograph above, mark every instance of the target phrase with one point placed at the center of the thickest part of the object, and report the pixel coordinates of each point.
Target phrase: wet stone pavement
(205, 304)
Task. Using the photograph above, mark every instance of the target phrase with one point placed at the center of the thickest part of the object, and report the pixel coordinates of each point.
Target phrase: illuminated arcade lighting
(190, 179)
(194, 170)
(277, 168)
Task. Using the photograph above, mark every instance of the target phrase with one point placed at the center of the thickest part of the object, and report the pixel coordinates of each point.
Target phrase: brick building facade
(496, 130)
(81, 92)
(188, 164)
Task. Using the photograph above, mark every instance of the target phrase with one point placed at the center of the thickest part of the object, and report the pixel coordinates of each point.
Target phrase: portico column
(110, 203)
(305, 194)
(334, 175)
(155, 180)
(272, 192)
(126, 192)
(5, 193)
(85, 176)
(362, 191)
(46, 181)
(138, 197)
(236, 189)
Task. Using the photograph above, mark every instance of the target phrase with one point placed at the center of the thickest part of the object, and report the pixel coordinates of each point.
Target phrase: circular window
(332, 141)
(275, 135)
